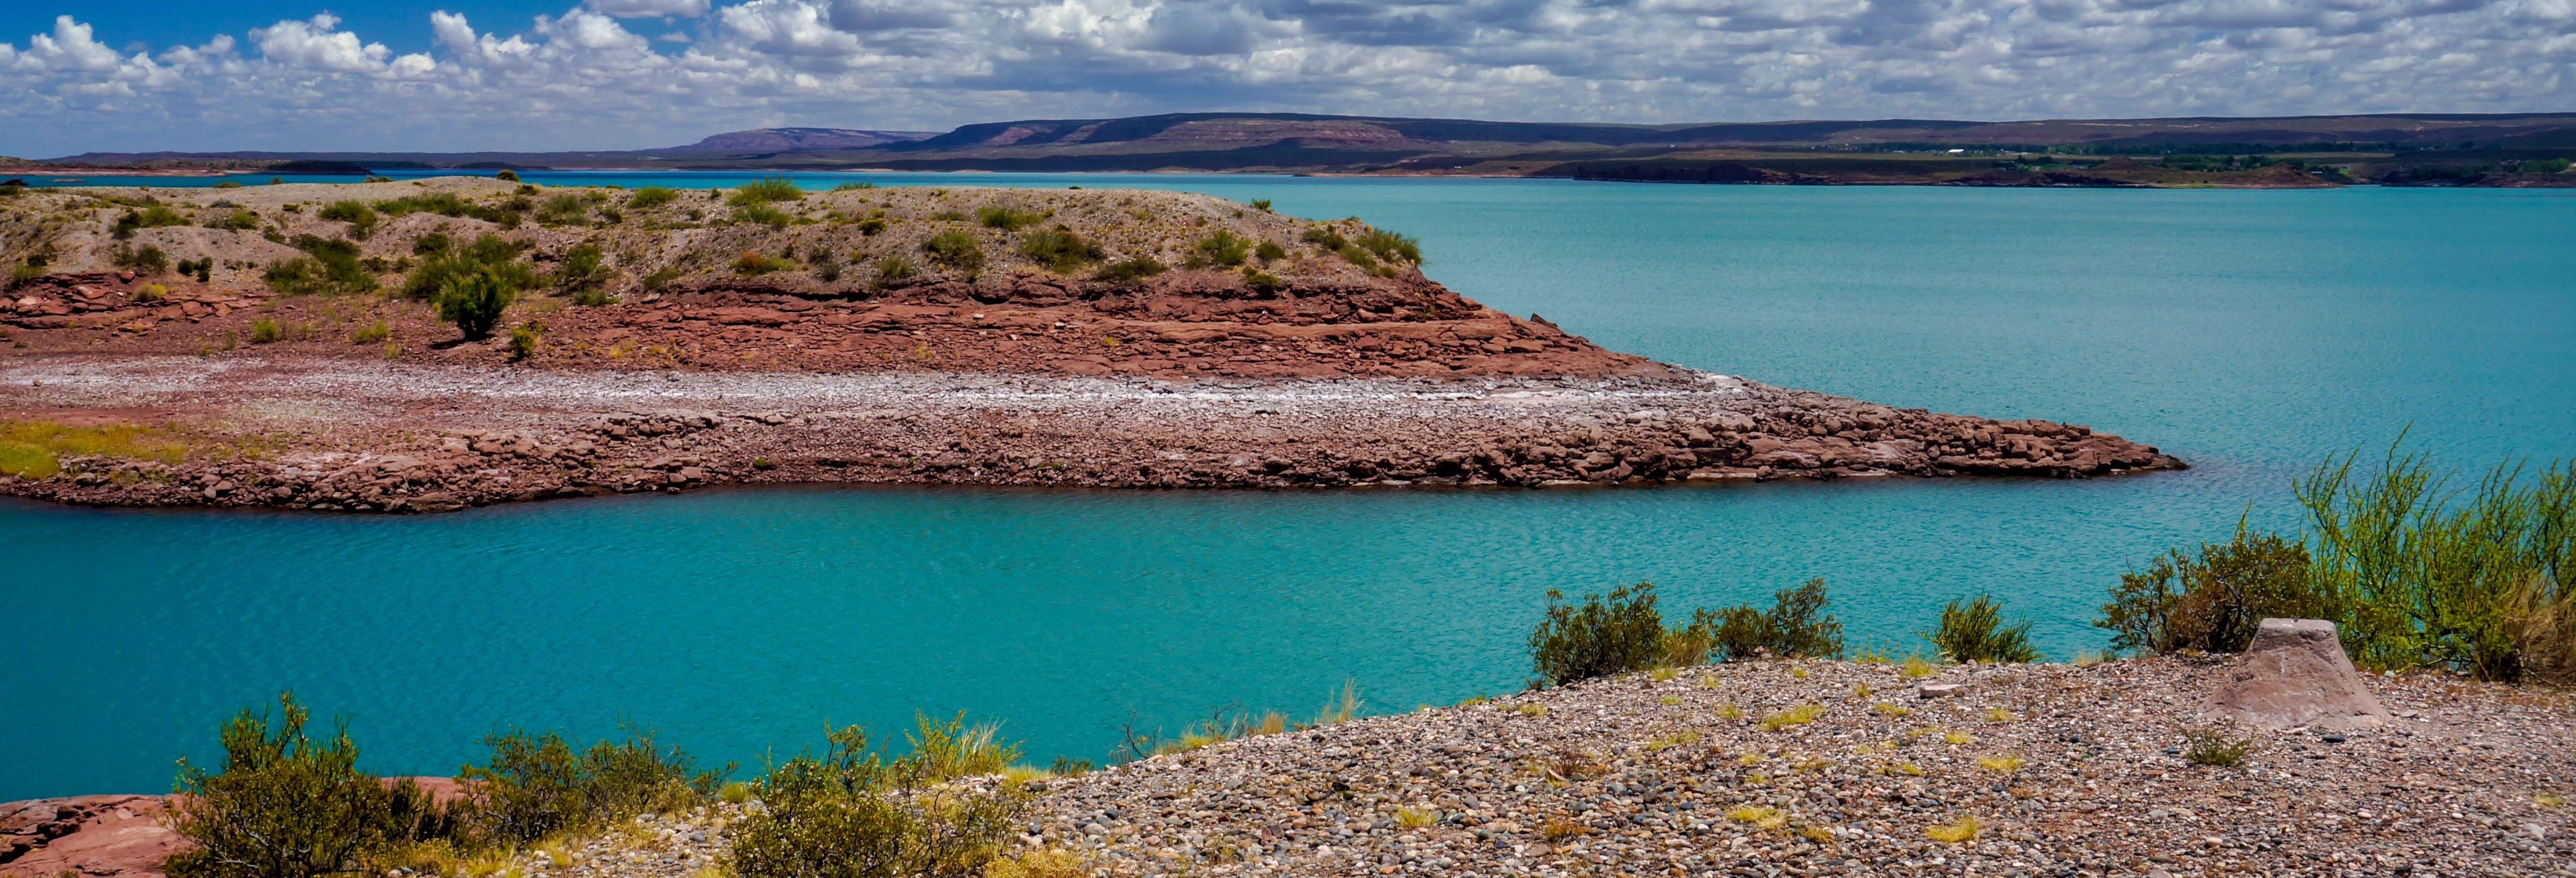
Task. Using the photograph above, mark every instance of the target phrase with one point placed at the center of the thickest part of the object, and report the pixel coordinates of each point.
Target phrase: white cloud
(583, 80)
(315, 46)
(649, 8)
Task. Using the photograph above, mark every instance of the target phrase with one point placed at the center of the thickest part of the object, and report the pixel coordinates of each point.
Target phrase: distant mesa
(318, 167)
(777, 140)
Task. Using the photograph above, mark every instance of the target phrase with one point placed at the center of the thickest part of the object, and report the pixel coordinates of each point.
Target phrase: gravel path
(2067, 770)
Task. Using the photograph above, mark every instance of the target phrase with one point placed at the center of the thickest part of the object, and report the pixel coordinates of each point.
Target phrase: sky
(456, 75)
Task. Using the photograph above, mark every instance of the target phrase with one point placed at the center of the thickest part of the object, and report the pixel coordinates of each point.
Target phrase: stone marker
(2295, 674)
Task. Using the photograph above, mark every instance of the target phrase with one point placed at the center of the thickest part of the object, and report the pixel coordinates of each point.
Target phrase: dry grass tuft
(1961, 830)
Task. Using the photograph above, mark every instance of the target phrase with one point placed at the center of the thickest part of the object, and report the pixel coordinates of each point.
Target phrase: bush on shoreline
(283, 805)
(1973, 630)
(2416, 573)
(1622, 631)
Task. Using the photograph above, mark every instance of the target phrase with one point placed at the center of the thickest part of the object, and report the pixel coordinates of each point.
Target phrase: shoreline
(410, 438)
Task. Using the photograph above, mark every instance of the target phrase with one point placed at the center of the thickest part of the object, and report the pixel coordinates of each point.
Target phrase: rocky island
(430, 345)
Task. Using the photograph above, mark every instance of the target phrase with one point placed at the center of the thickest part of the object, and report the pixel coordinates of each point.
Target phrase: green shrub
(957, 249)
(1059, 249)
(1261, 204)
(853, 186)
(507, 176)
(661, 277)
(239, 220)
(1222, 249)
(765, 190)
(2470, 580)
(533, 786)
(580, 268)
(527, 339)
(1795, 626)
(1388, 246)
(1972, 630)
(286, 806)
(650, 197)
(760, 213)
(1131, 269)
(332, 268)
(2213, 603)
(567, 209)
(1007, 219)
(872, 226)
(474, 302)
(361, 219)
(1604, 635)
(447, 264)
(847, 814)
(893, 268)
(263, 331)
(371, 333)
(151, 217)
(1324, 237)
(1269, 252)
(1261, 283)
(506, 214)
(2215, 747)
(146, 259)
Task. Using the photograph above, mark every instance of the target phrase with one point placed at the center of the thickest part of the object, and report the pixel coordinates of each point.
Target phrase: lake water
(2252, 333)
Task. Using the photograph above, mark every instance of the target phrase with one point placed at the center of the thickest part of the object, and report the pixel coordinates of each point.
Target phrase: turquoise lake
(2251, 333)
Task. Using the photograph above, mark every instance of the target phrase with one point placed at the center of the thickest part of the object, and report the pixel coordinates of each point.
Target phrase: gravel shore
(2067, 770)
(332, 434)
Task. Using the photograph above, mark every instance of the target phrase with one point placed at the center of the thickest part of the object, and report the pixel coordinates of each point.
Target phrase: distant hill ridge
(2430, 148)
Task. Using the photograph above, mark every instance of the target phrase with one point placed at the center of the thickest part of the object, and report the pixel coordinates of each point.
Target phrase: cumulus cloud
(583, 79)
(649, 8)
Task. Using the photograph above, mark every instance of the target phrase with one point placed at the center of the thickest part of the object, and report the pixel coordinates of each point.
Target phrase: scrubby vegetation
(650, 197)
(475, 302)
(443, 263)
(1059, 249)
(766, 190)
(1007, 219)
(2417, 573)
(1604, 635)
(850, 812)
(1795, 626)
(505, 214)
(1973, 630)
(1623, 631)
(283, 805)
(957, 249)
(361, 218)
(330, 267)
(2212, 602)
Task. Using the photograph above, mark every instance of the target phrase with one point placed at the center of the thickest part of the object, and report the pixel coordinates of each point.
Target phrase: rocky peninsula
(283, 346)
